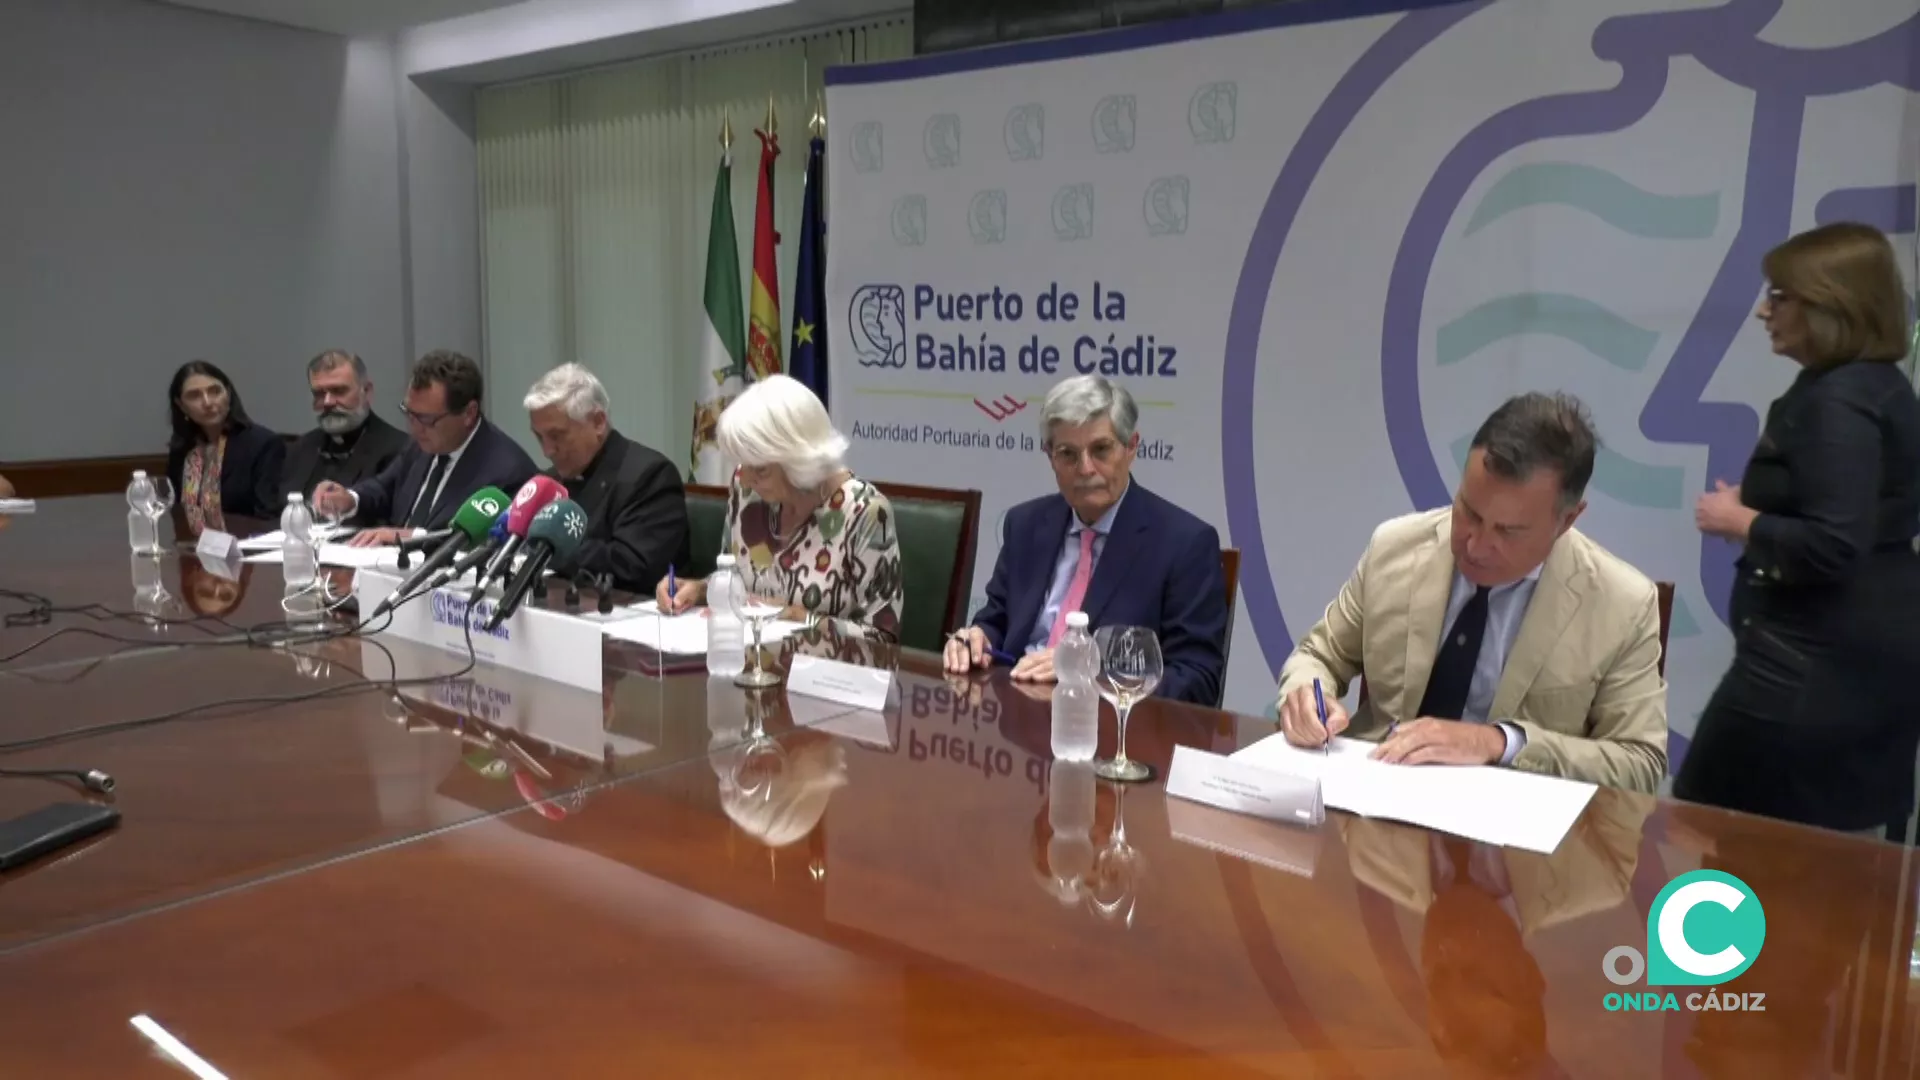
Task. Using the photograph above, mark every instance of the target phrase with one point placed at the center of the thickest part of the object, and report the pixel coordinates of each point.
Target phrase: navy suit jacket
(492, 459)
(1159, 568)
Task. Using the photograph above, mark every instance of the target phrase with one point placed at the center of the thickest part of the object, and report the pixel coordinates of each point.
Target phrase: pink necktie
(1076, 589)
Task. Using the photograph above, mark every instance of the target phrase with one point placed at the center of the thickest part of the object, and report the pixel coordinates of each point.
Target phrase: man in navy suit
(455, 453)
(1106, 546)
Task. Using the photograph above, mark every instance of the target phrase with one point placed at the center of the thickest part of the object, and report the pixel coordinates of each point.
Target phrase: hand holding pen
(968, 649)
(1309, 718)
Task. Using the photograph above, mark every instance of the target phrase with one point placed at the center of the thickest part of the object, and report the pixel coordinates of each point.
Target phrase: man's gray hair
(575, 389)
(1541, 431)
(1085, 398)
(333, 358)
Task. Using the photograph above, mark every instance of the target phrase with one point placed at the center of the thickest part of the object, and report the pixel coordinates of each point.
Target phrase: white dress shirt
(1506, 608)
(1069, 562)
(453, 462)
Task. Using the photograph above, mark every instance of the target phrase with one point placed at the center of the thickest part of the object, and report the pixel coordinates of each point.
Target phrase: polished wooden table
(499, 878)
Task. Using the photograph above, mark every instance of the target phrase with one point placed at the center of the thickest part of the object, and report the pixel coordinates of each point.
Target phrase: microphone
(534, 496)
(420, 543)
(469, 527)
(496, 536)
(554, 536)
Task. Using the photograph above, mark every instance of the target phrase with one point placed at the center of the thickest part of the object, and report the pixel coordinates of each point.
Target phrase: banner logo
(865, 146)
(1025, 132)
(1212, 112)
(987, 217)
(1073, 212)
(877, 319)
(943, 141)
(1113, 124)
(910, 220)
(1166, 206)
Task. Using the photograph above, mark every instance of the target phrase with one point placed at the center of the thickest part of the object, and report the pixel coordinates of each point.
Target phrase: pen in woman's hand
(673, 591)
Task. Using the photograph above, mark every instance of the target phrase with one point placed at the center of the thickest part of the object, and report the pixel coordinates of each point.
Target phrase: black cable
(91, 779)
(265, 701)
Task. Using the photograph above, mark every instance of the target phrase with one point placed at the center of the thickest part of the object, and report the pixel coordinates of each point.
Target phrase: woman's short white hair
(778, 421)
(575, 389)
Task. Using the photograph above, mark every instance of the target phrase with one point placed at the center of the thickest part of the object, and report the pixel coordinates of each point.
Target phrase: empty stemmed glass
(161, 503)
(1130, 667)
(756, 613)
(326, 518)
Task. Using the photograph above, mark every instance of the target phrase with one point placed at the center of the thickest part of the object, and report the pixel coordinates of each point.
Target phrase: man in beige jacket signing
(1550, 659)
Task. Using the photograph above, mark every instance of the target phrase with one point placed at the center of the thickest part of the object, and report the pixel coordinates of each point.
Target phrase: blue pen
(1320, 703)
(673, 587)
(1003, 657)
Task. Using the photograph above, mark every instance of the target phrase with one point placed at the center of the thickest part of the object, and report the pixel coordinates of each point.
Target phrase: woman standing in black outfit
(1818, 719)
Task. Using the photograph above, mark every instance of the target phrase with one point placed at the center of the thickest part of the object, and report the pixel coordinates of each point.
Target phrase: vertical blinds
(594, 203)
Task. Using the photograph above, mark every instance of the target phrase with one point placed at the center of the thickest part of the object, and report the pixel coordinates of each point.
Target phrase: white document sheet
(1486, 803)
(380, 558)
(684, 634)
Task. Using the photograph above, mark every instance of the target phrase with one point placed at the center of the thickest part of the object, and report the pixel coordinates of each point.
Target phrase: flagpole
(726, 139)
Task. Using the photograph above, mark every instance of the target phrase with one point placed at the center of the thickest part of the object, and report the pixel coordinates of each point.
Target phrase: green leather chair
(938, 529)
(706, 528)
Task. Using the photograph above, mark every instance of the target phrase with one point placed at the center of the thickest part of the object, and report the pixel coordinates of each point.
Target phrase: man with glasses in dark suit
(455, 452)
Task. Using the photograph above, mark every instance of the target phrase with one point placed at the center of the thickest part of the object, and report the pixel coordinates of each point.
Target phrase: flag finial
(773, 123)
(726, 133)
(818, 125)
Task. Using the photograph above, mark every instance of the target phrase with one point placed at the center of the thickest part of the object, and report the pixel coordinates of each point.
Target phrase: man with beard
(351, 444)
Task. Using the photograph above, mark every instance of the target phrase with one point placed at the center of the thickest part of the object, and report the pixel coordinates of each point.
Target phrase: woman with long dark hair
(220, 462)
(1818, 718)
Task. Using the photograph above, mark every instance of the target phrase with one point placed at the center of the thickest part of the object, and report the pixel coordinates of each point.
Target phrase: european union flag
(807, 360)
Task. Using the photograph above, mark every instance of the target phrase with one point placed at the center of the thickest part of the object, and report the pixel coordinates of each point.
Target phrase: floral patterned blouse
(842, 563)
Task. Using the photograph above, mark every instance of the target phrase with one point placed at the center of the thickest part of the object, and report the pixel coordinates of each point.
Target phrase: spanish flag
(763, 311)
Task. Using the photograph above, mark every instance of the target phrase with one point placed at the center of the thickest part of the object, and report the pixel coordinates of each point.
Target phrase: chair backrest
(938, 531)
(706, 527)
(1664, 590)
(1230, 570)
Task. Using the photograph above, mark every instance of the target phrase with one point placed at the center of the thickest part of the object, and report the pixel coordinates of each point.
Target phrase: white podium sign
(552, 645)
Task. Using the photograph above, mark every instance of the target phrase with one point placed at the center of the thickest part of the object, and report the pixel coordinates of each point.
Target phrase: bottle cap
(1077, 619)
(294, 497)
(723, 560)
(139, 474)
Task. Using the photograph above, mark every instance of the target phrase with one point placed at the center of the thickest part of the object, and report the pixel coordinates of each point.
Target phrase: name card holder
(836, 680)
(217, 546)
(1201, 777)
(550, 644)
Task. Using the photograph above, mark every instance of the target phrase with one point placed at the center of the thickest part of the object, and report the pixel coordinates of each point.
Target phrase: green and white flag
(723, 369)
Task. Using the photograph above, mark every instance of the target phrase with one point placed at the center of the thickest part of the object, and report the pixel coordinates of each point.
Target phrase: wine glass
(159, 505)
(756, 613)
(326, 518)
(1130, 667)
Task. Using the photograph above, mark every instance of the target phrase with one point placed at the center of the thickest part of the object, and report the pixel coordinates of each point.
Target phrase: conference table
(373, 871)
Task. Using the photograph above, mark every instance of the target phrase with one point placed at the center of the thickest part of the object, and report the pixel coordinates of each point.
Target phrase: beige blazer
(1583, 679)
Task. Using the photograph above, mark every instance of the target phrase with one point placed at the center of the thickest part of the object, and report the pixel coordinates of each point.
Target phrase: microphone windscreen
(534, 496)
(563, 525)
(479, 512)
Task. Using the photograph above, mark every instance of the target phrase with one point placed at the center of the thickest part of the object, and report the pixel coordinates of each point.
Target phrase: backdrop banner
(1319, 242)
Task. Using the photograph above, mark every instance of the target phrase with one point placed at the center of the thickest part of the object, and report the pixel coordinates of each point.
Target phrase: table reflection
(1484, 992)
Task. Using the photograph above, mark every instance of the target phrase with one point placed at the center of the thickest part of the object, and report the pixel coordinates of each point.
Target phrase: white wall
(182, 184)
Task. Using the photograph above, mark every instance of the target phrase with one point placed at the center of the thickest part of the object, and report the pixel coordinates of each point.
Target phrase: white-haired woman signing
(804, 531)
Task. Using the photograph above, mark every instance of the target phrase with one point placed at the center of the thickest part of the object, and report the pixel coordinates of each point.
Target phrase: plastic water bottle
(143, 532)
(726, 637)
(300, 563)
(1076, 700)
